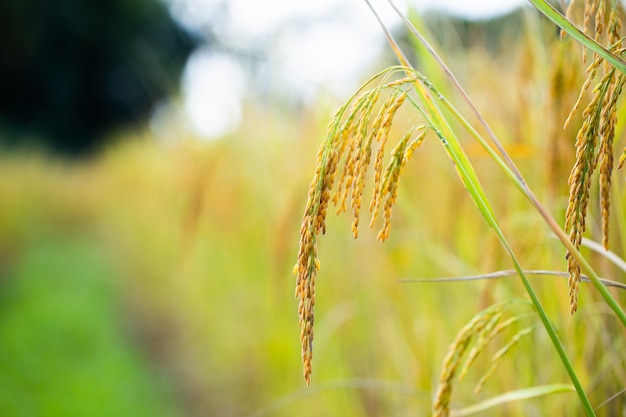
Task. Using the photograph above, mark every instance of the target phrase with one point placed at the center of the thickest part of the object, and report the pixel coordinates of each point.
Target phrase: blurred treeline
(155, 279)
(73, 72)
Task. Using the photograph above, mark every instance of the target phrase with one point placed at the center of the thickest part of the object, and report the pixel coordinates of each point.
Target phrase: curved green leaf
(517, 395)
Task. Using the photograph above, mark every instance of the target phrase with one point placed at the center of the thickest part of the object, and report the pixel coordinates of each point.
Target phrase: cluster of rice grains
(357, 125)
(594, 141)
(480, 331)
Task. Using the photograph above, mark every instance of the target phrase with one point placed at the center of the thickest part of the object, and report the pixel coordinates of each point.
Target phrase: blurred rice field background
(155, 279)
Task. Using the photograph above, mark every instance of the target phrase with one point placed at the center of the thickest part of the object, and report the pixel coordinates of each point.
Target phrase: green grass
(64, 348)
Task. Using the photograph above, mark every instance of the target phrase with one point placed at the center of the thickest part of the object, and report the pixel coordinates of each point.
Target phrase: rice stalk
(594, 141)
(472, 184)
(436, 122)
(509, 168)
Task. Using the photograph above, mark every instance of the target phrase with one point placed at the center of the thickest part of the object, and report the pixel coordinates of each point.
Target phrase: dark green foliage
(73, 70)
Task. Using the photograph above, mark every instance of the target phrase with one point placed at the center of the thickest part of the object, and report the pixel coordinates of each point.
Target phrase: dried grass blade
(509, 273)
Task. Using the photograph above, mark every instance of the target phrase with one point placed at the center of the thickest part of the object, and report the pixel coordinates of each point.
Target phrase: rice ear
(348, 147)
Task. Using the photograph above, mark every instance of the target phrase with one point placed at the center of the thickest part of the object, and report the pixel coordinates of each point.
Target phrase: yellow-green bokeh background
(155, 279)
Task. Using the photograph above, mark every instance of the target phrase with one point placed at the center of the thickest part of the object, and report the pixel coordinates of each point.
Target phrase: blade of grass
(467, 175)
(517, 395)
(509, 273)
(513, 172)
(334, 385)
(561, 21)
(611, 256)
(475, 190)
(611, 398)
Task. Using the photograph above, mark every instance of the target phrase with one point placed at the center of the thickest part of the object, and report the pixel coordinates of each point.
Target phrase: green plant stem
(476, 193)
(514, 175)
(471, 182)
(509, 273)
(517, 395)
(551, 13)
(504, 161)
(468, 177)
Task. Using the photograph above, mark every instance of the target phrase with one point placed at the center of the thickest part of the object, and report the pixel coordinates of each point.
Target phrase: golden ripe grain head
(388, 191)
(591, 74)
(615, 28)
(351, 134)
(497, 358)
(307, 265)
(599, 20)
(454, 357)
(594, 146)
(481, 330)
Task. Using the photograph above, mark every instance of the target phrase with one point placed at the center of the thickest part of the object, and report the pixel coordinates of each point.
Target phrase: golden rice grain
(589, 10)
(308, 264)
(594, 145)
(349, 143)
(591, 74)
(615, 27)
(486, 335)
(497, 358)
(599, 20)
(348, 146)
(452, 361)
(569, 13)
(622, 159)
(389, 185)
(356, 134)
(381, 138)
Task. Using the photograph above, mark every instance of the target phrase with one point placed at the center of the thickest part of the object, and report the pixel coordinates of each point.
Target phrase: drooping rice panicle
(497, 358)
(452, 361)
(599, 20)
(486, 335)
(389, 187)
(591, 74)
(381, 138)
(594, 145)
(348, 147)
(307, 265)
(362, 157)
(354, 133)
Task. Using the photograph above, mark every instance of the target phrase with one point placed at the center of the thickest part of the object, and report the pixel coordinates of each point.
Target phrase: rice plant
(361, 127)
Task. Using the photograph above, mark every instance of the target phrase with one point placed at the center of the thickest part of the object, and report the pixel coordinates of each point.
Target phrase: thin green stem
(512, 171)
(522, 186)
(471, 182)
(475, 191)
(551, 13)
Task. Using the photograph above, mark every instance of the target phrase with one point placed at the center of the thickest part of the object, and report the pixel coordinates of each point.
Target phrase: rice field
(156, 278)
